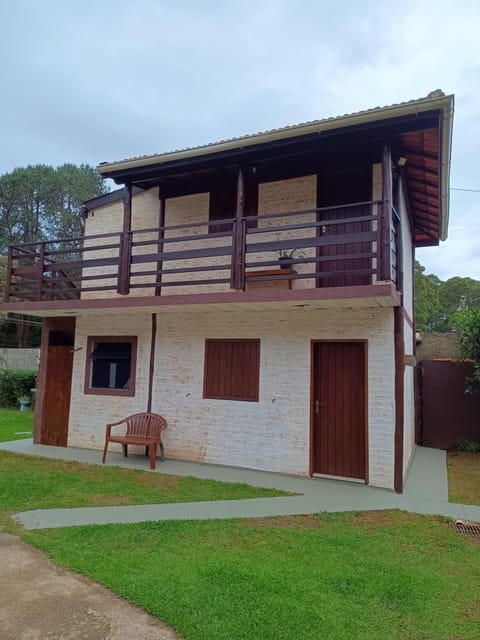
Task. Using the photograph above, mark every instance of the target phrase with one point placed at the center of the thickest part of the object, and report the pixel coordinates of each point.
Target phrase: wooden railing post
(160, 244)
(41, 269)
(239, 236)
(8, 274)
(125, 249)
(384, 252)
(124, 263)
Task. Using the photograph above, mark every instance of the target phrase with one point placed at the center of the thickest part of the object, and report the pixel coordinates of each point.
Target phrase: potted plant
(24, 402)
(285, 257)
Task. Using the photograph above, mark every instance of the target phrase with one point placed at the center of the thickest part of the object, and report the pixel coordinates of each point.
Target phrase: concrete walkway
(426, 492)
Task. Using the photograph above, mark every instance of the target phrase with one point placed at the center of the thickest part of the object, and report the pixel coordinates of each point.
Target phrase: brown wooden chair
(143, 429)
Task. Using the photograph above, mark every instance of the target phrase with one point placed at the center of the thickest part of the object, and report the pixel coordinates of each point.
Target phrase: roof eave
(445, 163)
(444, 103)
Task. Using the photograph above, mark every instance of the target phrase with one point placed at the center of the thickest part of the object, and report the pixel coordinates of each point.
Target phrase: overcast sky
(93, 80)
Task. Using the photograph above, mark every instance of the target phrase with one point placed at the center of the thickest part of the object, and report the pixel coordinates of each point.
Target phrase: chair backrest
(145, 424)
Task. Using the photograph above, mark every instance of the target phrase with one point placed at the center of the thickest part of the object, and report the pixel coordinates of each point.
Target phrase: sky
(99, 80)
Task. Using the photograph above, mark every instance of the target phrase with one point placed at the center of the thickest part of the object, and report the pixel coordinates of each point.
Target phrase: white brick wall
(272, 434)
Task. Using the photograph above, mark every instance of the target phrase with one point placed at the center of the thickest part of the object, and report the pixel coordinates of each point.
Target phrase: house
(176, 300)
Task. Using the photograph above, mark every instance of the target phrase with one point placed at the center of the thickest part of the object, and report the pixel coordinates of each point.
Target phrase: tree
(427, 300)
(468, 322)
(42, 202)
(438, 303)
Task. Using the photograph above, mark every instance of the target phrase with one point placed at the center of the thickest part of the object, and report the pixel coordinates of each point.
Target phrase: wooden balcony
(353, 245)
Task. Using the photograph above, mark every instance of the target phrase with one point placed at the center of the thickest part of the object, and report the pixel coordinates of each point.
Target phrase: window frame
(253, 375)
(102, 391)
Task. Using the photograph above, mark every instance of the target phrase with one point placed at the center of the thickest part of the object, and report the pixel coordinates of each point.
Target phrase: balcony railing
(348, 245)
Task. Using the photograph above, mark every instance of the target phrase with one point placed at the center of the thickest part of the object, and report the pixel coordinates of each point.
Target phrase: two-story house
(257, 292)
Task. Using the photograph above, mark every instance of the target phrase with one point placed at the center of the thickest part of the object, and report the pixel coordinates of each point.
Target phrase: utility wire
(458, 189)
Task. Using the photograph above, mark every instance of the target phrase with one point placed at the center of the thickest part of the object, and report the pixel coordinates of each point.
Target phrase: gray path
(425, 492)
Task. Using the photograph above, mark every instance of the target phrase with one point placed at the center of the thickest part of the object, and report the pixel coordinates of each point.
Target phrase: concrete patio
(426, 492)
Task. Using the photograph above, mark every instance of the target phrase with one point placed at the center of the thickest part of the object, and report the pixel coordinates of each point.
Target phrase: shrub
(15, 384)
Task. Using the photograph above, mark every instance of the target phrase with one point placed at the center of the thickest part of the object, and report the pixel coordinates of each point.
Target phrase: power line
(458, 189)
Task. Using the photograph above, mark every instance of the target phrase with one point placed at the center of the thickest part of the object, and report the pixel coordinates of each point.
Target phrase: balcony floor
(355, 297)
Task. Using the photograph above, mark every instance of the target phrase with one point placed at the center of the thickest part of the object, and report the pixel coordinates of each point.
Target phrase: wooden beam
(399, 345)
(386, 215)
(127, 207)
(238, 263)
(8, 275)
(124, 265)
(161, 236)
(151, 371)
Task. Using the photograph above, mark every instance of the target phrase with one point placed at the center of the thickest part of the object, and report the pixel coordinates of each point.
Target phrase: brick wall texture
(273, 434)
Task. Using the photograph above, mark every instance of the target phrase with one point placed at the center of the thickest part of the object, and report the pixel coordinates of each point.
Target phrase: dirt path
(40, 601)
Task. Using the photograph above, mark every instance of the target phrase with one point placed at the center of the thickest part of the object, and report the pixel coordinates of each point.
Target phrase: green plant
(468, 322)
(286, 254)
(15, 385)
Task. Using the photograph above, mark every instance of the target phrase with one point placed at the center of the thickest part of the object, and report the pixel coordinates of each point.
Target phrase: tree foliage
(439, 302)
(41, 202)
(468, 322)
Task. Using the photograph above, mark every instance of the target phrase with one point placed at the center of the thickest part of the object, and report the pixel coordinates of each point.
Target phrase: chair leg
(125, 450)
(162, 452)
(153, 455)
(105, 452)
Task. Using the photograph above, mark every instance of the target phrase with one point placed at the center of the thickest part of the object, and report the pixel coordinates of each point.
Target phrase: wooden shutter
(232, 369)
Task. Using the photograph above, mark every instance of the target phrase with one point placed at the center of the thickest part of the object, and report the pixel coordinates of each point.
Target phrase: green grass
(13, 421)
(464, 477)
(40, 483)
(366, 576)
(357, 577)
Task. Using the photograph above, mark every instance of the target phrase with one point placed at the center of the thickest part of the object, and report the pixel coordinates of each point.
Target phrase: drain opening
(467, 528)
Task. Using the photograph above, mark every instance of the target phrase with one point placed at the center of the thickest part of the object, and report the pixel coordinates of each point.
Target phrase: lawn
(40, 483)
(346, 576)
(15, 425)
(365, 576)
(464, 477)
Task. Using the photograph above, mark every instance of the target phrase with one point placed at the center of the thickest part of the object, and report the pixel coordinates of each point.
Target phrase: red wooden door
(339, 409)
(56, 400)
(343, 189)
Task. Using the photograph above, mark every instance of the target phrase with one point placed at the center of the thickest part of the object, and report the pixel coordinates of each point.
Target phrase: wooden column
(161, 235)
(8, 275)
(239, 236)
(41, 267)
(125, 253)
(384, 251)
(151, 370)
(399, 397)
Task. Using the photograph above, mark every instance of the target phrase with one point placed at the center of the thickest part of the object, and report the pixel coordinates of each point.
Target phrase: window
(111, 365)
(232, 369)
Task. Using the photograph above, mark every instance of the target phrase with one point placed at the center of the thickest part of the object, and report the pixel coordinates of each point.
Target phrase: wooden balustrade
(329, 246)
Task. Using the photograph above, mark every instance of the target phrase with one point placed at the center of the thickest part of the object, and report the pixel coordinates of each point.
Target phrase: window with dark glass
(111, 365)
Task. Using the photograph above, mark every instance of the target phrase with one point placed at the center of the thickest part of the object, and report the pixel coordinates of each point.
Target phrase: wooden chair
(143, 429)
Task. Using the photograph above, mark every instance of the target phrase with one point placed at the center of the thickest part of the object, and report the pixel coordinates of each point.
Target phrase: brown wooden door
(56, 400)
(339, 409)
(332, 191)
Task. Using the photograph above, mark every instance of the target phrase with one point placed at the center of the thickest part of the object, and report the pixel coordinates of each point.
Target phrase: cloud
(94, 81)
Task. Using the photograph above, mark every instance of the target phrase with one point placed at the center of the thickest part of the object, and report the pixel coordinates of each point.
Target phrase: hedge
(14, 385)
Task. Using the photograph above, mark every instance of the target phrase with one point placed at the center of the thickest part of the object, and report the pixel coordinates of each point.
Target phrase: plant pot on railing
(285, 258)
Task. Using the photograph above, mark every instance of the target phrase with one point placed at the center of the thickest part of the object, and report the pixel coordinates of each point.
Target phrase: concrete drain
(467, 528)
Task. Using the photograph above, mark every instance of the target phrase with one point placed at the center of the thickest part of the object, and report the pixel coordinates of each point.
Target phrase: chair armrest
(109, 427)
